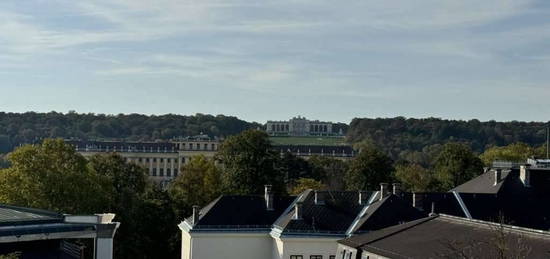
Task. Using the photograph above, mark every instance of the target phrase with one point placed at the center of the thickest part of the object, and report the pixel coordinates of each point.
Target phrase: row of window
(311, 257)
(154, 159)
(197, 146)
(318, 128)
(161, 172)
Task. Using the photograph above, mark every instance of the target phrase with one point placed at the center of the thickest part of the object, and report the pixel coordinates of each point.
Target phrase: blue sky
(259, 60)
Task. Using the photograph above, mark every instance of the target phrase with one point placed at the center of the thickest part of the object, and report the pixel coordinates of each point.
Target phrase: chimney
(196, 215)
(319, 198)
(363, 197)
(498, 176)
(417, 201)
(397, 189)
(383, 190)
(298, 210)
(268, 197)
(525, 175)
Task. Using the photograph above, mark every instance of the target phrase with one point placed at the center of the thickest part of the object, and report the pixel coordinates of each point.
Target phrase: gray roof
(432, 237)
(12, 215)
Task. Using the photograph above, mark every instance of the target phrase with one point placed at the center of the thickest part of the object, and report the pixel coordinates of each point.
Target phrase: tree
(249, 163)
(293, 167)
(303, 184)
(128, 185)
(330, 171)
(415, 178)
(52, 176)
(456, 164)
(368, 169)
(198, 184)
(517, 152)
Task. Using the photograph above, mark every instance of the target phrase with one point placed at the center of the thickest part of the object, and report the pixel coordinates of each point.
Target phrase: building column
(104, 240)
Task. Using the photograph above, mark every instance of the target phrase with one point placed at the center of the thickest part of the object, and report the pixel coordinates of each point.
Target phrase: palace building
(299, 126)
(163, 159)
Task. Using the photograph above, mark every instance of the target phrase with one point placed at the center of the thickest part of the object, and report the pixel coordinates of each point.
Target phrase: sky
(272, 60)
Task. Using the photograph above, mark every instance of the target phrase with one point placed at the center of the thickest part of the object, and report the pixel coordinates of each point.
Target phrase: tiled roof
(123, 146)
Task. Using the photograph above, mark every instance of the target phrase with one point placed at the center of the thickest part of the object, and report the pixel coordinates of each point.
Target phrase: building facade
(299, 126)
(162, 159)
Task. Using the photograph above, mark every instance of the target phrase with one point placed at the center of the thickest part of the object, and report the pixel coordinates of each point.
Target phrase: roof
(12, 215)
(241, 211)
(316, 149)
(442, 236)
(485, 183)
(387, 212)
(334, 215)
(123, 146)
(17, 221)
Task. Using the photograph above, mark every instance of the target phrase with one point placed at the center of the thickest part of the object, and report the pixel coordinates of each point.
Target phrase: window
(190, 145)
(183, 160)
(154, 172)
(147, 160)
(213, 147)
(161, 172)
(296, 257)
(162, 160)
(332, 257)
(140, 160)
(168, 160)
(168, 172)
(175, 173)
(154, 160)
(315, 257)
(205, 146)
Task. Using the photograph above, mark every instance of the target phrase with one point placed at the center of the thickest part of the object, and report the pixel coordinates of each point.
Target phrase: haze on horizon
(277, 59)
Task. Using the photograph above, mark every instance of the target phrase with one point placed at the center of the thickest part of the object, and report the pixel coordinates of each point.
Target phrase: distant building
(162, 159)
(44, 234)
(306, 226)
(300, 126)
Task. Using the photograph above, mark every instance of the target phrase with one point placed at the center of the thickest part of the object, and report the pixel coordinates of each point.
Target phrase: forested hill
(17, 128)
(399, 135)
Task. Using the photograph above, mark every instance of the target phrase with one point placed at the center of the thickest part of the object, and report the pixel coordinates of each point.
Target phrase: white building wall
(325, 246)
(226, 245)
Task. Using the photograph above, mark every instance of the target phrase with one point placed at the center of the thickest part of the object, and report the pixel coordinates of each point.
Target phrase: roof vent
(196, 214)
(498, 176)
(268, 195)
(298, 210)
(363, 197)
(397, 189)
(319, 198)
(383, 190)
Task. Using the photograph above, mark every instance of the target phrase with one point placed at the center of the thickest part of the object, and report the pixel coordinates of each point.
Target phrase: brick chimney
(298, 210)
(196, 214)
(498, 176)
(383, 190)
(268, 196)
(363, 197)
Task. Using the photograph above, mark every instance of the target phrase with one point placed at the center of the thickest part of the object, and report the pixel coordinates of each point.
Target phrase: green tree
(330, 171)
(415, 178)
(517, 152)
(52, 176)
(249, 163)
(128, 185)
(303, 184)
(456, 164)
(198, 184)
(368, 169)
(293, 167)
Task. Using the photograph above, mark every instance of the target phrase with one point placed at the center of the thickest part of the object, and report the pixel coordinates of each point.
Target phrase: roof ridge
(412, 224)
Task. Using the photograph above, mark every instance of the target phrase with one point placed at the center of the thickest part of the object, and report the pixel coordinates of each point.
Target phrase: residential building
(445, 236)
(44, 234)
(300, 126)
(306, 226)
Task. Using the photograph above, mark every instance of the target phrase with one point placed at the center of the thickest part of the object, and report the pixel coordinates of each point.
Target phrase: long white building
(299, 126)
(296, 227)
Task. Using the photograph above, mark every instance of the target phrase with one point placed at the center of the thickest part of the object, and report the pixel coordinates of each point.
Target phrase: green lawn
(325, 141)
